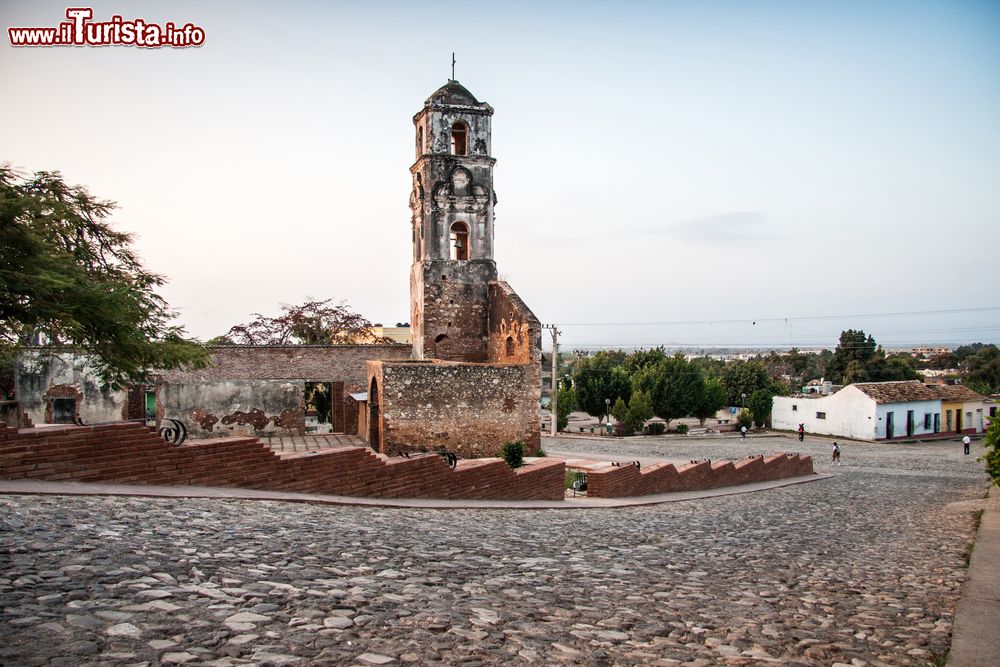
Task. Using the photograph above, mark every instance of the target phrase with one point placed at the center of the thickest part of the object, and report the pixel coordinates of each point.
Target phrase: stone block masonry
(469, 409)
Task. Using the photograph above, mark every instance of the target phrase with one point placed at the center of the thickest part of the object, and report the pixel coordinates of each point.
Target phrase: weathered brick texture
(627, 480)
(131, 453)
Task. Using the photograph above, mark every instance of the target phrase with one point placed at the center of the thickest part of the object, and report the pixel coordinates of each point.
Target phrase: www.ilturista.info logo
(79, 30)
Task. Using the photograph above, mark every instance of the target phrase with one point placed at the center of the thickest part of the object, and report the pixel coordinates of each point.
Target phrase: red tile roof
(902, 391)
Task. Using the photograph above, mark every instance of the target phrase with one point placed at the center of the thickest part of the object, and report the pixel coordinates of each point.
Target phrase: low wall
(628, 480)
(131, 453)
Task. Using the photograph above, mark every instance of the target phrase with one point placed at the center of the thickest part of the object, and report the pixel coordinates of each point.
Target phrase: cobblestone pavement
(861, 569)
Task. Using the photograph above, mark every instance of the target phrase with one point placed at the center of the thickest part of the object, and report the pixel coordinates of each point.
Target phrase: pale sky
(707, 164)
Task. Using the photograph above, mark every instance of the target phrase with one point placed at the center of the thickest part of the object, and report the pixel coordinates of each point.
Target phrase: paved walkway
(34, 487)
(976, 638)
(864, 568)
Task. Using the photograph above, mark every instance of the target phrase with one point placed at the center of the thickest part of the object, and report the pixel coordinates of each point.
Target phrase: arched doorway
(374, 422)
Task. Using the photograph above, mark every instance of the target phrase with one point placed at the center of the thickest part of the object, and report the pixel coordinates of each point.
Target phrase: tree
(982, 369)
(673, 386)
(311, 323)
(640, 409)
(854, 345)
(991, 441)
(67, 278)
(711, 398)
(759, 404)
(599, 378)
(743, 377)
(565, 405)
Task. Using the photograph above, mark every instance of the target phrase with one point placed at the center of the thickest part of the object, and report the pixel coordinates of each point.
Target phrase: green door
(150, 406)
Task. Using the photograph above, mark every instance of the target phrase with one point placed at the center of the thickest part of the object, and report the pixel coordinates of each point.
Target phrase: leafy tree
(619, 410)
(991, 441)
(711, 398)
(982, 369)
(854, 345)
(633, 416)
(67, 278)
(855, 372)
(673, 386)
(744, 377)
(311, 323)
(640, 360)
(759, 404)
(565, 405)
(600, 378)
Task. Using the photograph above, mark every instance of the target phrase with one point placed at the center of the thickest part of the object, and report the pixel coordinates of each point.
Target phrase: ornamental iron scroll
(173, 431)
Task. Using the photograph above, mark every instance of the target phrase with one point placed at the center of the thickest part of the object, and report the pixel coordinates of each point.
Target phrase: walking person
(802, 432)
(743, 432)
(836, 453)
(965, 444)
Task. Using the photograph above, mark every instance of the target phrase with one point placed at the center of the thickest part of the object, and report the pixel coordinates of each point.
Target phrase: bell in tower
(452, 218)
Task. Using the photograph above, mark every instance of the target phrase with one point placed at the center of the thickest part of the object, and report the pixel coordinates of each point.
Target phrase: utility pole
(554, 394)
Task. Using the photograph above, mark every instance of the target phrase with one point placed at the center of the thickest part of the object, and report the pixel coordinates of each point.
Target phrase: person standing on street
(965, 443)
(743, 432)
(802, 432)
(836, 453)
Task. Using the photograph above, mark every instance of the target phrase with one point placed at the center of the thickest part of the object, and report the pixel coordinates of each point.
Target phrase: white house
(870, 411)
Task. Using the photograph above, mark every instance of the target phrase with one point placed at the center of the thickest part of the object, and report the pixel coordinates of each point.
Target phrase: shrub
(513, 454)
(744, 418)
(541, 453)
(682, 429)
(656, 428)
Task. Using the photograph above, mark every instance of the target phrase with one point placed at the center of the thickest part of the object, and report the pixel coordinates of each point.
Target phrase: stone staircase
(132, 453)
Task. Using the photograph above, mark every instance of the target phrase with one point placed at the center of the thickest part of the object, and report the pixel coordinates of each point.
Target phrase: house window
(820, 415)
(459, 139)
(795, 408)
(459, 241)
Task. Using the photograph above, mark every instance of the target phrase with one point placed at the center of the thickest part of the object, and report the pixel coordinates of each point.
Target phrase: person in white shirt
(965, 443)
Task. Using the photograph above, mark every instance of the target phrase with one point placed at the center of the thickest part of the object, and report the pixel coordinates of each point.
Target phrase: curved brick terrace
(863, 568)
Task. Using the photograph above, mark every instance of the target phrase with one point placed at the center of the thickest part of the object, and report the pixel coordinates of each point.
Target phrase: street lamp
(743, 401)
(607, 405)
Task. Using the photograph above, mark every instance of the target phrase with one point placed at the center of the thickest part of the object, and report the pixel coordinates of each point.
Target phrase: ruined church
(470, 382)
(474, 379)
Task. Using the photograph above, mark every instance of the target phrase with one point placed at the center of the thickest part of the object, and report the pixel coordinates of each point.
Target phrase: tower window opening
(459, 241)
(510, 346)
(459, 139)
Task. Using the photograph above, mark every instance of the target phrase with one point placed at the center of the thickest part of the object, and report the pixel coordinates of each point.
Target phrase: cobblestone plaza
(864, 568)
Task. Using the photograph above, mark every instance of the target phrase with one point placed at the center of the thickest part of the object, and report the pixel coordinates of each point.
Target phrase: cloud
(725, 229)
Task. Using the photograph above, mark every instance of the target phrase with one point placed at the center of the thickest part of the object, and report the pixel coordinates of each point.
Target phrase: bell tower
(452, 220)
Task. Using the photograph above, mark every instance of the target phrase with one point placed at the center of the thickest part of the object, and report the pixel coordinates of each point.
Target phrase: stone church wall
(469, 409)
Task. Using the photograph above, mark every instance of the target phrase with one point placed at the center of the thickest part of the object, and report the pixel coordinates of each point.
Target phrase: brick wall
(130, 453)
(627, 480)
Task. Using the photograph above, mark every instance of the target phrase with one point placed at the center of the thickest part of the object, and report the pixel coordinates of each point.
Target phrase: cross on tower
(452, 65)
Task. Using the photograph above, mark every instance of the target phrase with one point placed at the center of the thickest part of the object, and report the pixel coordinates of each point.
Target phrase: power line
(812, 318)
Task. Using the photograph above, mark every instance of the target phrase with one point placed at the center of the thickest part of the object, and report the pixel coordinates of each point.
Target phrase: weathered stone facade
(475, 380)
(245, 391)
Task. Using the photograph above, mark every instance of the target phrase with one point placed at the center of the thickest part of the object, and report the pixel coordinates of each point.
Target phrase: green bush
(541, 453)
(656, 428)
(744, 418)
(682, 429)
(991, 441)
(513, 454)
